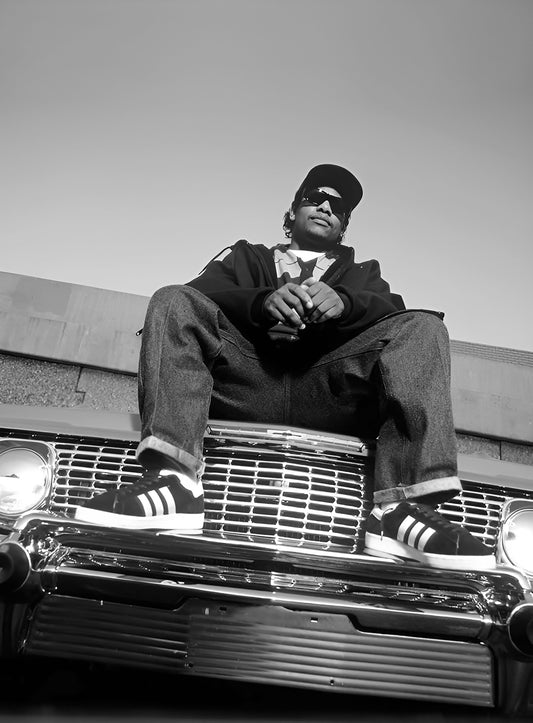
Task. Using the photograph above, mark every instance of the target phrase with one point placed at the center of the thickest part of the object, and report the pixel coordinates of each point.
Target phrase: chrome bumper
(255, 610)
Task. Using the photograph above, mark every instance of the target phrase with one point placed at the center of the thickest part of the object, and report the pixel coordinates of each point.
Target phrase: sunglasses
(315, 197)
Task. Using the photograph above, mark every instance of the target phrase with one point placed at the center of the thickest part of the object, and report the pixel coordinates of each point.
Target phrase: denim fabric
(391, 381)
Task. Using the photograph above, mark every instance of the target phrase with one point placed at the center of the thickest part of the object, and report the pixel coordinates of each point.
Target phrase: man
(300, 334)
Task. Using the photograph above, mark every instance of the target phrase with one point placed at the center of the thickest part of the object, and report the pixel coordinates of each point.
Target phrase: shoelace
(439, 521)
(147, 481)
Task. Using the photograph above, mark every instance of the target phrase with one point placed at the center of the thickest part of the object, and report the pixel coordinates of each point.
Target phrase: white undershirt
(306, 255)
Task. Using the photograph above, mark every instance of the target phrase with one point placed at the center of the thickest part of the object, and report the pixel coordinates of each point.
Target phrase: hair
(288, 222)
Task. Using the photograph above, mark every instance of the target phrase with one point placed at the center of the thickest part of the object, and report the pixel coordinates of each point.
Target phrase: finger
(309, 290)
(290, 315)
(279, 301)
(293, 297)
(275, 314)
(316, 288)
(319, 296)
(296, 320)
(315, 315)
(294, 303)
(324, 311)
(303, 297)
(332, 313)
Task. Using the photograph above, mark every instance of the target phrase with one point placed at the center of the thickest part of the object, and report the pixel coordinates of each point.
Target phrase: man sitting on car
(300, 334)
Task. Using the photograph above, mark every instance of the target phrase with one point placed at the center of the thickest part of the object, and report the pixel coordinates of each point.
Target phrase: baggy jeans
(391, 381)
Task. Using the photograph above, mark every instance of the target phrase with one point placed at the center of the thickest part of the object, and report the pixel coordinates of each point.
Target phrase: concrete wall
(492, 391)
(70, 323)
(68, 345)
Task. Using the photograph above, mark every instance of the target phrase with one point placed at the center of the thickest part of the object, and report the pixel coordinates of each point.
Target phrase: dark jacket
(240, 282)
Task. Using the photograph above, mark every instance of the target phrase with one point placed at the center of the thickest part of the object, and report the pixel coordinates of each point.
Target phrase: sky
(138, 138)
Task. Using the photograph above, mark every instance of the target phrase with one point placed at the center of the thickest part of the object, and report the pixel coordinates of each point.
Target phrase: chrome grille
(298, 488)
(479, 510)
(293, 487)
(83, 469)
(320, 500)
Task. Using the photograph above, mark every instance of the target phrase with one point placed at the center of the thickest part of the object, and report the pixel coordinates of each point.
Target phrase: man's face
(316, 227)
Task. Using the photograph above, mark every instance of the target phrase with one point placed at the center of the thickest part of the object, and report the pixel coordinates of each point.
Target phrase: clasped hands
(296, 305)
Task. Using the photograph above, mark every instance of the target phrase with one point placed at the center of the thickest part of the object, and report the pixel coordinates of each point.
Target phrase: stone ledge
(486, 447)
(44, 383)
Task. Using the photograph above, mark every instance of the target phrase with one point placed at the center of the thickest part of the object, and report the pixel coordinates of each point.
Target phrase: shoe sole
(180, 522)
(379, 546)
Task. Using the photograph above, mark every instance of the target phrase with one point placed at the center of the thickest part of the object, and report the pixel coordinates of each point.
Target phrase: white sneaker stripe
(171, 505)
(158, 504)
(425, 537)
(416, 530)
(404, 528)
(147, 507)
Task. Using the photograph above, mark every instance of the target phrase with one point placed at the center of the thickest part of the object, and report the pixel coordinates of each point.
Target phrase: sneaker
(160, 499)
(412, 531)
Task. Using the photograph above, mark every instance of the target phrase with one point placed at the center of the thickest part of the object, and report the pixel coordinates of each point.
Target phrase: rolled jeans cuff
(432, 491)
(169, 450)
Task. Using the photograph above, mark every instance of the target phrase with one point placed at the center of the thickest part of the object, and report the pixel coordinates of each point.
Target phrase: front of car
(277, 587)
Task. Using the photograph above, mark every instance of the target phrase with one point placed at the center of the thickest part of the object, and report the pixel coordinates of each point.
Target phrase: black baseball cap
(337, 177)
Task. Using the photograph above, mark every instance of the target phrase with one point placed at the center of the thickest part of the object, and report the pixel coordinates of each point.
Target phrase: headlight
(25, 475)
(516, 541)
